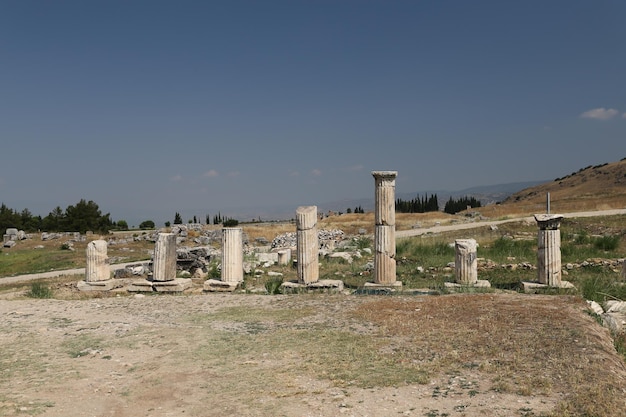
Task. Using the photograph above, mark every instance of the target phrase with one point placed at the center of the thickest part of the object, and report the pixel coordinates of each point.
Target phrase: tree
(348, 210)
(9, 218)
(147, 224)
(122, 225)
(454, 206)
(167, 224)
(85, 215)
(178, 219)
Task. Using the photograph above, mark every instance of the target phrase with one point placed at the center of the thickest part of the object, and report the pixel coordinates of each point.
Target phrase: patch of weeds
(606, 243)
(272, 286)
(363, 242)
(33, 408)
(82, 345)
(60, 322)
(39, 290)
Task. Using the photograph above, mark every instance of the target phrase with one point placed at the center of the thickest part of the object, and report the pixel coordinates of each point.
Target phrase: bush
(606, 243)
(273, 286)
(39, 290)
(148, 224)
(230, 223)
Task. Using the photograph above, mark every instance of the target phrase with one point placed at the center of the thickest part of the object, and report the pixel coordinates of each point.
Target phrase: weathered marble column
(549, 249)
(465, 261)
(97, 268)
(284, 256)
(232, 254)
(307, 244)
(97, 271)
(164, 266)
(385, 227)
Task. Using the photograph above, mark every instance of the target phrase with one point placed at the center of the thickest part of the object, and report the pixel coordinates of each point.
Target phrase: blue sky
(154, 107)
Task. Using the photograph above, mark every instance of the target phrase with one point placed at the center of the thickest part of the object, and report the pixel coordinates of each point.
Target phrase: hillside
(598, 187)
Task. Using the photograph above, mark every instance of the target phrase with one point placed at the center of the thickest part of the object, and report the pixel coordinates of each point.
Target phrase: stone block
(107, 285)
(215, 285)
(175, 285)
(140, 285)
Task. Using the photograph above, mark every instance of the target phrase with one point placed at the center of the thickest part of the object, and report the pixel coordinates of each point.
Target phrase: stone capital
(548, 221)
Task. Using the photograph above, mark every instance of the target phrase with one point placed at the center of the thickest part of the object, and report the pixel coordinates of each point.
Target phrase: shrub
(148, 224)
(39, 290)
(230, 223)
(272, 286)
(606, 243)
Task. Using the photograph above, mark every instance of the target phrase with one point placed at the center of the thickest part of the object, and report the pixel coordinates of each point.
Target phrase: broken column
(549, 249)
(97, 271)
(232, 258)
(164, 266)
(307, 244)
(385, 228)
(465, 261)
(232, 262)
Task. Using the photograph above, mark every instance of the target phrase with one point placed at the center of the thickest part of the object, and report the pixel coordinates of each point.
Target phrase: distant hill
(595, 187)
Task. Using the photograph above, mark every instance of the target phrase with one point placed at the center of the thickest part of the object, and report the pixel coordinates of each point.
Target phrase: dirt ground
(296, 355)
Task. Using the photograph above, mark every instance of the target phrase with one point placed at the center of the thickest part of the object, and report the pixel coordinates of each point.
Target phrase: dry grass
(524, 345)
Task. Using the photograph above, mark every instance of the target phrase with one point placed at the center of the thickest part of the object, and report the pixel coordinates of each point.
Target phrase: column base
(107, 285)
(175, 285)
(215, 285)
(323, 285)
(481, 283)
(534, 286)
(140, 285)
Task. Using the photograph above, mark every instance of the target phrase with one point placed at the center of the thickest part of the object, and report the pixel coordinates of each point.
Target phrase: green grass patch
(27, 261)
(39, 290)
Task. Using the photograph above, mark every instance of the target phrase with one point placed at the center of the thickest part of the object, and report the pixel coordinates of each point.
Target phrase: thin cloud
(233, 174)
(599, 114)
(211, 173)
(176, 178)
(624, 116)
(354, 168)
(294, 173)
(316, 172)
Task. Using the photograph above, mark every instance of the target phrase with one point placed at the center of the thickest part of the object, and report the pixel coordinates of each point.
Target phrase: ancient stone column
(164, 267)
(385, 227)
(284, 256)
(307, 244)
(624, 270)
(97, 268)
(549, 249)
(465, 262)
(232, 254)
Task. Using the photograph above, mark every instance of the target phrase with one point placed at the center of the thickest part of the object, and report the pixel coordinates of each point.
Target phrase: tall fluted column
(97, 268)
(385, 227)
(549, 249)
(307, 244)
(232, 254)
(164, 268)
(465, 261)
